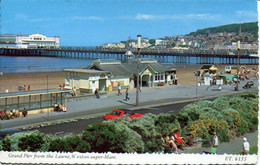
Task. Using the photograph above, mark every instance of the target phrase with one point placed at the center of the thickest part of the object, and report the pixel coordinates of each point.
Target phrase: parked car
(120, 113)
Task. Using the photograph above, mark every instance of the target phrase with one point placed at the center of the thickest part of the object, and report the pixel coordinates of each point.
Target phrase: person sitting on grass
(165, 144)
(178, 139)
(170, 141)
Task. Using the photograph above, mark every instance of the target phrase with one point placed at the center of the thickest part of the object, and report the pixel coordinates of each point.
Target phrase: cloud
(85, 18)
(21, 16)
(246, 13)
(177, 16)
(24, 17)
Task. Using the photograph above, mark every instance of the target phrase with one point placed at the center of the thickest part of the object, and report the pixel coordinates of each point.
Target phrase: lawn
(253, 150)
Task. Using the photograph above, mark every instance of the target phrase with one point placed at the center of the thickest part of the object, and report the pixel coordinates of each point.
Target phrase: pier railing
(200, 56)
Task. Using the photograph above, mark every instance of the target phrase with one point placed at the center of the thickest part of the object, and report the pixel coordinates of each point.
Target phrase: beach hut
(211, 69)
(207, 79)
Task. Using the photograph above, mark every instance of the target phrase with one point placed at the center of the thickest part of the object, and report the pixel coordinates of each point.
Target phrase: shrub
(183, 119)
(145, 127)
(69, 143)
(6, 144)
(232, 117)
(133, 141)
(205, 126)
(58, 145)
(32, 142)
(106, 136)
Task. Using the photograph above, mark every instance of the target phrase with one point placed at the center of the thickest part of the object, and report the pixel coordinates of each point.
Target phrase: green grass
(253, 150)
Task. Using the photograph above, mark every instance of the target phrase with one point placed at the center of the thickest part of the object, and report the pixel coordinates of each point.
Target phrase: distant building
(114, 45)
(33, 41)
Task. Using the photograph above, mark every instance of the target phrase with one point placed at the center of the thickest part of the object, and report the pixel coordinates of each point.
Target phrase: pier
(162, 55)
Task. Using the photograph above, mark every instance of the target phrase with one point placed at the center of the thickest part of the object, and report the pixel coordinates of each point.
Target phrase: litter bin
(110, 88)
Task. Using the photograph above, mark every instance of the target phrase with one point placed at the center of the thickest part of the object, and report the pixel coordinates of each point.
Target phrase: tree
(152, 42)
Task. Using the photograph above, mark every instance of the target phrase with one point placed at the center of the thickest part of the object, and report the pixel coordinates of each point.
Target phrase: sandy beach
(185, 74)
(37, 81)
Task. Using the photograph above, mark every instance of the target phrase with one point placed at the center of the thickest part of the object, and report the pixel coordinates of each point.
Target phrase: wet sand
(185, 74)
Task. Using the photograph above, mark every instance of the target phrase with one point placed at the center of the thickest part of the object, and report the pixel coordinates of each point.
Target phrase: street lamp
(238, 49)
(47, 96)
(138, 68)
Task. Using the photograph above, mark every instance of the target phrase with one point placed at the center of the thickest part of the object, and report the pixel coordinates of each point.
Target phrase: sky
(95, 22)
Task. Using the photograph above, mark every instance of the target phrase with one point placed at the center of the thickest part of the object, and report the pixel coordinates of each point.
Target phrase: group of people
(172, 140)
(126, 92)
(61, 87)
(24, 88)
(215, 143)
(59, 107)
(15, 113)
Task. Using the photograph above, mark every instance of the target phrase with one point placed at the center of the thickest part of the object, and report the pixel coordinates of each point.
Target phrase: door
(93, 86)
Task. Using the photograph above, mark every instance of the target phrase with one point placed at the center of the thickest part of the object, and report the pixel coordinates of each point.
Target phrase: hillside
(250, 27)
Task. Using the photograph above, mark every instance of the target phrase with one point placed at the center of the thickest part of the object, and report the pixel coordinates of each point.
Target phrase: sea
(29, 64)
(17, 64)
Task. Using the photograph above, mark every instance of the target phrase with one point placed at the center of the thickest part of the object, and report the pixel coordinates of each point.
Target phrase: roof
(106, 61)
(206, 66)
(113, 68)
(148, 60)
(210, 67)
(129, 53)
(85, 71)
(117, 68)
(156, 67)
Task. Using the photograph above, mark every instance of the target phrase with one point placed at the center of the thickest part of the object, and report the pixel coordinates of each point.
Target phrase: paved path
(232, 147)
(80, 107)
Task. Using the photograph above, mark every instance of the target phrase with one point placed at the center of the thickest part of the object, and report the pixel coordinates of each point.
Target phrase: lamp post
(138, 68)
(238, 49)
(47, 96)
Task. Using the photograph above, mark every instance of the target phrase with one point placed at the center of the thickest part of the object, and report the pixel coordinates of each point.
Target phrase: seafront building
(33, 41)
(107, 74)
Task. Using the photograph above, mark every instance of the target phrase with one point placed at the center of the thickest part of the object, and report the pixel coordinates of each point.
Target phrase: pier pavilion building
(33, 41)
(107, 74)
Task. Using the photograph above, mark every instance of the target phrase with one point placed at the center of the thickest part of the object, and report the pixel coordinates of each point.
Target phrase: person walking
(139, 88)
(215, 143)
(119, 90)
(126, 95)
(215, 140)
(97, 94)
(246, 147)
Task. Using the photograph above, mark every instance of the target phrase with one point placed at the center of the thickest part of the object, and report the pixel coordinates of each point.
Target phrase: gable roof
(118, 69)
(210, 67)
(156, 67)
